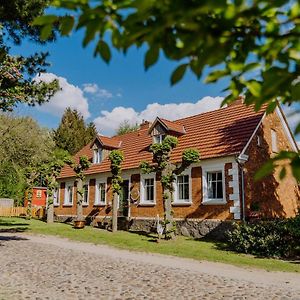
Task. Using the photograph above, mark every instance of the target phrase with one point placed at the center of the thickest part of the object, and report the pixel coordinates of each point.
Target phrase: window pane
(183, 187)
(85, 195)
(219, 176)
(101, 192)
(215, 185)
(219, 190)
(149, 189)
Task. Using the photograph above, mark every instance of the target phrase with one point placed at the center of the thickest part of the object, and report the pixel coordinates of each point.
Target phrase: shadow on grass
(152, 237)
(13, 226)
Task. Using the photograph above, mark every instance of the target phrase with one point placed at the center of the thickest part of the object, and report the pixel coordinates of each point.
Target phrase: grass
(181, 246)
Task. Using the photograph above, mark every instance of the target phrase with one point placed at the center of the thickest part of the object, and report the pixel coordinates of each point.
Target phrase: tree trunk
(115, 213)
(79, 200)
(50, 213)
(168, 213)
(169, 227)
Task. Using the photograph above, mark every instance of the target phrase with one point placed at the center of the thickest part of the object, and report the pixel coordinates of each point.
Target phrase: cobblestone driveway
(52, 268)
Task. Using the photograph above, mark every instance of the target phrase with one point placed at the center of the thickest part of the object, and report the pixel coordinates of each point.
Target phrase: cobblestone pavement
(36, 267)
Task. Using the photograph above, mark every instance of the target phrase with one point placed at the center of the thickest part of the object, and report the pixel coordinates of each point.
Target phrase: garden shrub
(278, 238)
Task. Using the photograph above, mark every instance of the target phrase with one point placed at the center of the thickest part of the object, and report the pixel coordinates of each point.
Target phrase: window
(85, 200)
(259, 140)
(97, 156)
(158, 139)
(215, 185)
(213, 181)
(39, 194)
(56, 197)
(69, 195)
(274, 140)
(182, 189)
(148, 190)
(100, 194)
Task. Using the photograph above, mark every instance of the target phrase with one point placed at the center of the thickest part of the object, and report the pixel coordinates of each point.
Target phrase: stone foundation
(195, 228)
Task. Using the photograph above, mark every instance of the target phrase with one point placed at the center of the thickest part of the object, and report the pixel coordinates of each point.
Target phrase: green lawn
(181, 246)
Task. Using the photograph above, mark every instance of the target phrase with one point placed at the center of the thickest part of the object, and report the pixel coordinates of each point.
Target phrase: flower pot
(79, 224)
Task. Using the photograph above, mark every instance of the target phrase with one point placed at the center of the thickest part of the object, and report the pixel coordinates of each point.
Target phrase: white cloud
(108, 122)
(95, 90)
(69, 96)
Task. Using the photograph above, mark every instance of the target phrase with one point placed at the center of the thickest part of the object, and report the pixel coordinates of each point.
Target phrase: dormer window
(158, 139)
(97, 156)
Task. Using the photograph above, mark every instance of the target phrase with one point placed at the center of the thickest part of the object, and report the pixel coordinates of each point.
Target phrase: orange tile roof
(171, 126)
(109, 142)
(217, 133)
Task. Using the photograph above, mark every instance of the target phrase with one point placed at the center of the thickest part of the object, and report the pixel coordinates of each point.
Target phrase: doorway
(124, 199)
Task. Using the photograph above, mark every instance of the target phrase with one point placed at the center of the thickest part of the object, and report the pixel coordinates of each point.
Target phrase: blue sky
(123, 83)
(121, 90)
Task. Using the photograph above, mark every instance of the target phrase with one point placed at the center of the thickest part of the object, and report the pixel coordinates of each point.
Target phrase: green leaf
(271, 107)
(178, 73)
(282, 173)
(66, 24)
(265, 170)
(151, 57)
(296, 91)
(215, 75)
(254, 87)
(43, 20)
(103, 49)
(46, 32)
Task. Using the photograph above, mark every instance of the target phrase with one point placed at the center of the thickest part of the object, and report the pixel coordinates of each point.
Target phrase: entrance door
(124, 199)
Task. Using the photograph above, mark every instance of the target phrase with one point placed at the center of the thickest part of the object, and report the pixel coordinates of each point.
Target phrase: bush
(278, 238)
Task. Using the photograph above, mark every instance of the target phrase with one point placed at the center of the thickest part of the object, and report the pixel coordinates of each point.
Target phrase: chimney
(145, 124)
(240, 100)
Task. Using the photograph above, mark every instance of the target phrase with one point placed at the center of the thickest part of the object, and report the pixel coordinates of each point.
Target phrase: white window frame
(69, 203)
(56, 194)
(208, 169)
(160, 138)
(88, 194)
(97, 156)
(142, 189)
(274, 141)
(176, 200)
(97, 201)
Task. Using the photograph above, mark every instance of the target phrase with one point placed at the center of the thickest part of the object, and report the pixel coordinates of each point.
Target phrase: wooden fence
(19, 211)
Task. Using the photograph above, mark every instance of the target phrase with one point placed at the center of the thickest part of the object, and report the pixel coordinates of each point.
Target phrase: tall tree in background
(126, 127)
(23, 143)
(17, 72)
(72, 133)
(254, 44)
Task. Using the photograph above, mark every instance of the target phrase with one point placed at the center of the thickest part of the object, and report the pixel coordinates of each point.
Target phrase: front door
(123, 199)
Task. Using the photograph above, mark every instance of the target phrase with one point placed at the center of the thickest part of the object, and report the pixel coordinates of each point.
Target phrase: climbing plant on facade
(116, 158)
(166, 172)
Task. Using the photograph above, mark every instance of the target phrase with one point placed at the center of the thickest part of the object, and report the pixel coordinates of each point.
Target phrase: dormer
(101, 147)
(160, 128)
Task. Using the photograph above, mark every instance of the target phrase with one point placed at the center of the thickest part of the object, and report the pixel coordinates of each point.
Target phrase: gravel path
(39, 267)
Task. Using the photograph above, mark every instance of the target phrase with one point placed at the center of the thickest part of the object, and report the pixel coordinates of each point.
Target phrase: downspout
(241, 160)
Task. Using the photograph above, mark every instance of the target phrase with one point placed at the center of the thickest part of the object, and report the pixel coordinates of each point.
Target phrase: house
(233, 143)
(39, 196)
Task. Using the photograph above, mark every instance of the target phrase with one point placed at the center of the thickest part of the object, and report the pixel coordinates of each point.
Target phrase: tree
(23, 143)
(126, 127)
(50, 170)
(116, 157)
(79, 169)
(72, 133)
(17, 72)
(166, 173)
(255, 44)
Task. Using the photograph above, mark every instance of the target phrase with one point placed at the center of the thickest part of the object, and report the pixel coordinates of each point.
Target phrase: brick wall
(274, 197)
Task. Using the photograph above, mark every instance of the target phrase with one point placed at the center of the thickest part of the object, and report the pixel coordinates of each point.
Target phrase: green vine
(167, 172)
(116, 158)
(79, 170)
